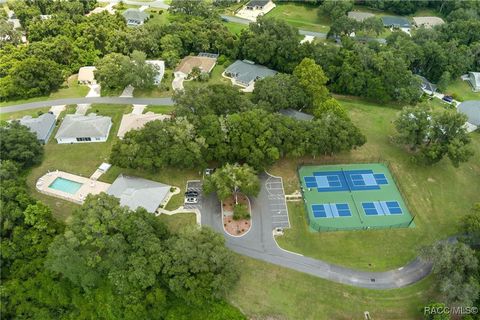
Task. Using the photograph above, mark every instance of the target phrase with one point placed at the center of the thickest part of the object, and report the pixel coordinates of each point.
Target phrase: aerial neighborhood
(240, 159)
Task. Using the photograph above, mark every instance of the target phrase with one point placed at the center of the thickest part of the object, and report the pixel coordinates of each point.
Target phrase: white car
(191, 200)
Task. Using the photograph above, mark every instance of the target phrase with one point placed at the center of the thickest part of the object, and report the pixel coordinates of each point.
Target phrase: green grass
(234, 27)
(70, 89)
(462, 90)
(301, 16)
(215, 78)
(81, 159)
(178, 221)
(159, 109)
(20, 114)
(267, 291)
(439, 196)
(158, 18)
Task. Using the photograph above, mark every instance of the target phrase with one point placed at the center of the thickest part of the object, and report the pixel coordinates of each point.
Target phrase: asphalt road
(260, 244)
(104, 100)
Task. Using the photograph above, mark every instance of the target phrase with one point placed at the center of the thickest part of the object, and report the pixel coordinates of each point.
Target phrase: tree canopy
(19, 144)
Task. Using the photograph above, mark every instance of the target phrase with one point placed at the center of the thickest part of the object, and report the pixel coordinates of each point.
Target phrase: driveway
(105, 100)
(260, 244)
(194, 185)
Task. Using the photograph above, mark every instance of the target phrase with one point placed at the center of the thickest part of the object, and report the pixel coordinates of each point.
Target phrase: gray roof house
(472, 110)
(244, 72)
(292, 113)
(135, 192)
(77, 128)
(134, 17)
(474, 79)
(41, 126)
(396, 22)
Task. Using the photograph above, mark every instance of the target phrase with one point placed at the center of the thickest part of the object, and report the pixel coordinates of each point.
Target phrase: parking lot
(194, 185)
(276, 202)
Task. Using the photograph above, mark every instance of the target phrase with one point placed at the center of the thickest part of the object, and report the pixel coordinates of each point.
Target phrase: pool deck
(89, 186)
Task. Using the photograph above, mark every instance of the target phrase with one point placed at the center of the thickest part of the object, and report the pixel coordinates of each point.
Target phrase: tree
(335, 8)
(456, 268)
(330, 106)
(280, 91)
(114, 71)
(413, 126)
(434, 315)
(343, 26)
(312, 79)
(471, 224)
(201, 9)
(198, 267)
(20, 145)
(231, 179)
(372, 25)
(143, 73)
(8, 34)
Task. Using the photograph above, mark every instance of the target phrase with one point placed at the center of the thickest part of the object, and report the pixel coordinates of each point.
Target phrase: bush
(221, 59)
(203, 77)
(240, 211)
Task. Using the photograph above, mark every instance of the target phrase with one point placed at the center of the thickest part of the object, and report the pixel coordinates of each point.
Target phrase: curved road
(260, 244)
(104, 100)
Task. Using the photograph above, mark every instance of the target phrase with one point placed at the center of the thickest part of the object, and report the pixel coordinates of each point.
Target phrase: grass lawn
(70, 89)
(215, 78)
(301, 16)
(178, 221)
(234, 27)
(439, 196)
(266, 291)
(20, 114)
(159, 109)
(158, 18)
(462, 90)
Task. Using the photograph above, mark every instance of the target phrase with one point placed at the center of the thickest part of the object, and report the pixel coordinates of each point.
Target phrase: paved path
(105, 100)
(260, 244)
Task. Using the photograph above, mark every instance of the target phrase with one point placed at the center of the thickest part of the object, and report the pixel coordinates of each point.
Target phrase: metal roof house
(244, 73)
(395, 22)
(474, 79)
(42, 126)
(77, 128)
(296, 114)
(256, 4)
(135, 17)
(472, 110)
(135, 192)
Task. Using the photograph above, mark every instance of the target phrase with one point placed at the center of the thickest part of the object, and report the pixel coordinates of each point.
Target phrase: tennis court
(352, 197)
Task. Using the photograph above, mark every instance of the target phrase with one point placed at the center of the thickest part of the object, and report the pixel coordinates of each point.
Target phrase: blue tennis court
(331, 210)
(350, 180)
(376, 208)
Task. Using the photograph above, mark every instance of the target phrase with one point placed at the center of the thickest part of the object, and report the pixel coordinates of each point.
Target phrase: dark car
(447, 98)
(191, 193)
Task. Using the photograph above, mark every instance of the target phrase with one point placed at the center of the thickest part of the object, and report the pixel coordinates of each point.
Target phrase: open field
(301, 16)
(70, 89)
(178, 221)
(20, 114)
(439, 196)
(462, 90)
(234, 27)
(266, 291)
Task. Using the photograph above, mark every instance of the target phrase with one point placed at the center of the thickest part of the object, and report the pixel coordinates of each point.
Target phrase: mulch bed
(235, 227)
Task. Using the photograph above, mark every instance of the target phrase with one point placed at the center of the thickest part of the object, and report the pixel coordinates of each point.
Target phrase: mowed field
(301, 16)
(439, 196)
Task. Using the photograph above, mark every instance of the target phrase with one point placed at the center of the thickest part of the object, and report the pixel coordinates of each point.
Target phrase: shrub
(240, 211)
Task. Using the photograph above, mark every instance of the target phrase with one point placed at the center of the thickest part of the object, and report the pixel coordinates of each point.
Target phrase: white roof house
(159, 65)
(86, 75)
(135, 192)
(41, 126)
(137, 121)
(474, 79)
(77, 128)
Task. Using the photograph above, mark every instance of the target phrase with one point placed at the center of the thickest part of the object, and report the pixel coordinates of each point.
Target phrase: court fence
(339, 161)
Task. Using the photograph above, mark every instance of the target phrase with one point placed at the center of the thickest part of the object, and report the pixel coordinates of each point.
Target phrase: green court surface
(353, 197)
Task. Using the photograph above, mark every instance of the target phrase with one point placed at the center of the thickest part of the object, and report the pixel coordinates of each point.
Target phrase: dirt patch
(231, 226)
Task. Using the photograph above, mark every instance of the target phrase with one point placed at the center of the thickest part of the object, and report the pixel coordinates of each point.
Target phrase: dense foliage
(19, 144)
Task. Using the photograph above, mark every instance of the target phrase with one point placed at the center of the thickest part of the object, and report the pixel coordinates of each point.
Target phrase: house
(256, 4)
(202, 61)
(135, 192)
(135, 17)
(137, 121)
(86, 75)
(360, 16)
(77, 128)
(160, 67)
(244, 73)
(427, 22)
(426, 85)
(474, 80)
(42, 126)
(395, 22)
(292, 113)
(472, 110)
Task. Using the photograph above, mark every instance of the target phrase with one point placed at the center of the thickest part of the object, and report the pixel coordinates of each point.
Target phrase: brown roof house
(204, 61)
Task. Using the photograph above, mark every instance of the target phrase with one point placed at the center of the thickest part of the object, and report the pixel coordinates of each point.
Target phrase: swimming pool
(65, 185)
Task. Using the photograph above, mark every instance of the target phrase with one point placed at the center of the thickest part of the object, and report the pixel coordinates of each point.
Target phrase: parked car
(191, 200)
(191, 193)
(447, 98)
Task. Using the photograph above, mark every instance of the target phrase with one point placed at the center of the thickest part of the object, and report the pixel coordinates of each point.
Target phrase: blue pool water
(65, 185)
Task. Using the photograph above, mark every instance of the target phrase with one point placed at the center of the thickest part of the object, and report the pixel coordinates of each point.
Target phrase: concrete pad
(308, 39)
(143, 8)
(56, 110)
(138, 108)
(127, 92)
(177, 83)
(82, 109)
(94, 90)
